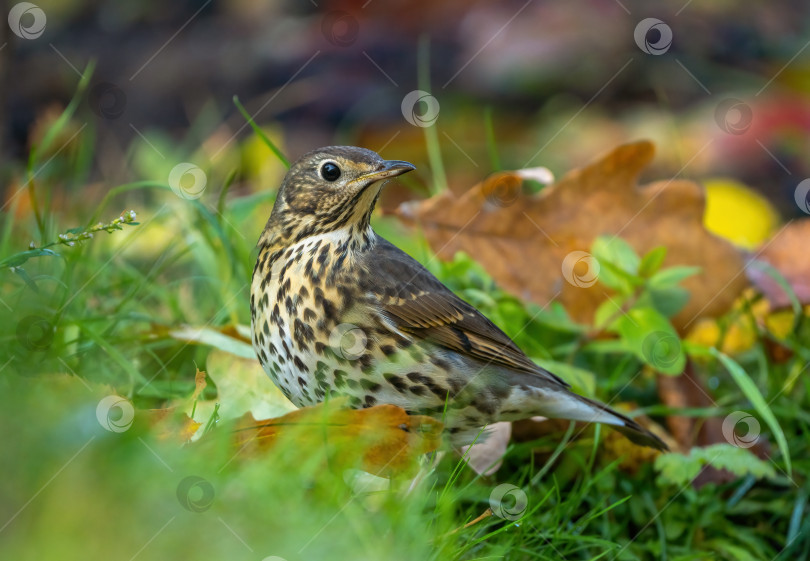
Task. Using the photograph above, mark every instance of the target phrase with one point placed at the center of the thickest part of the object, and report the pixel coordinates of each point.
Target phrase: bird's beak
(388, 169)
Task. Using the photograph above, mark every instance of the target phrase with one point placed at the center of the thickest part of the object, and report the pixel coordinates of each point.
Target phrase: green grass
(93, 321)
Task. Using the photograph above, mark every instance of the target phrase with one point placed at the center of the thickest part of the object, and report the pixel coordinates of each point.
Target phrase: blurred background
(721, 90)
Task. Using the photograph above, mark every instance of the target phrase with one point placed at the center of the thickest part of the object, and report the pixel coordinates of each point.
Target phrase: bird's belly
(313, 340)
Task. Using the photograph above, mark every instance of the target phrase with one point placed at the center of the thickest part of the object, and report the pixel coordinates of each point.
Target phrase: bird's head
(330, 189)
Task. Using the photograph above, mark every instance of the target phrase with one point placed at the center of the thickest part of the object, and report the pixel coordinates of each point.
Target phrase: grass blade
(260, 132)
(753, 394)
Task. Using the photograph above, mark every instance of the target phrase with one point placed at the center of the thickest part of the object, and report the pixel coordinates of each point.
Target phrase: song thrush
(338, 310)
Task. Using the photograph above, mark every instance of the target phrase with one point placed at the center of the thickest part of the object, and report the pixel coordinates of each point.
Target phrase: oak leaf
(523, 240)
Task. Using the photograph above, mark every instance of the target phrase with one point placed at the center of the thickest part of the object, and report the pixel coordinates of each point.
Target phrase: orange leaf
(523, 240)
(383, 440)
(170, 424)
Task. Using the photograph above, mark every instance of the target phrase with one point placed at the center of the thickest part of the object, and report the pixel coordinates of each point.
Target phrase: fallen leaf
(242, 387)
(170, 424)
(382, 440)
(522, 240)
(787, 253)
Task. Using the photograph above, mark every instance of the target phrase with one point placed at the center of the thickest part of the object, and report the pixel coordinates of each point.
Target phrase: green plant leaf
(671, 276)
(651, 337)
(669, 301)
(618, 264)
(679, 469)
(751, 391)
(19, 258)
(652, 261)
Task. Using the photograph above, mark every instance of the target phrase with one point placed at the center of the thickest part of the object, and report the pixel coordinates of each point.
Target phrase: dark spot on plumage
(303, 292)
(353, 384)
(320, 347)
(264, 301)
(369, 385)
(417, 377)
(388, 349)
(266, 328)
(303, 332)
(309, 315)
(484, 405)
(437, 390)
(454, 430)
(403, 342)
(418, 390)
(440, 362)
(370, 401)
(329, 309)
(456, 386)
(320, 393)
(398, 383)
(366, 360)
(355, 402)
(302, 382)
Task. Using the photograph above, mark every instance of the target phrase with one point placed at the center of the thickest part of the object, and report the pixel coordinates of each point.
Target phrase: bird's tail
(561, 403)
(625, 425)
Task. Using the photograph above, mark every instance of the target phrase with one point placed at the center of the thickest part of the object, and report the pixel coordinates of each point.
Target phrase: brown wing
(418, 303)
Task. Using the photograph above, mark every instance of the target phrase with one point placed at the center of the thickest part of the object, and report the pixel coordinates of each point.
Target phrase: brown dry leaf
(522, 240)
(382, 440)
(170, 424)
(787, 253)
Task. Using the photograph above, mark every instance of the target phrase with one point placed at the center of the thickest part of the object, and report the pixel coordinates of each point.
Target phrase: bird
(338, 310)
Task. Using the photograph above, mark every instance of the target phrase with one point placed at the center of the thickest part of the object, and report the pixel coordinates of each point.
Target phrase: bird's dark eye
(330, 171)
